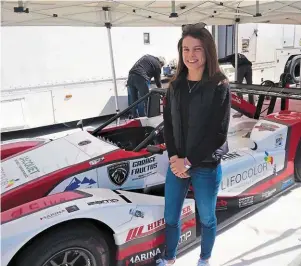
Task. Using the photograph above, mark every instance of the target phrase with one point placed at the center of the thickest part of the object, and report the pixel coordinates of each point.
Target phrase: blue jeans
(137, 87)
(205, 182)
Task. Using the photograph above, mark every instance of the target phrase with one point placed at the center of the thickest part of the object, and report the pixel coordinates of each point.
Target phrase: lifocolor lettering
(243, 176)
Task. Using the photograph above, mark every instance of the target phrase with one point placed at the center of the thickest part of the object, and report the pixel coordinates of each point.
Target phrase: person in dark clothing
(244, 70)
(140, 75)
(196, 120)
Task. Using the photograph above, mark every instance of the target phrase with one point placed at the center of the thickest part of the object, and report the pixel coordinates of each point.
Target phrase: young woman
(196, 120)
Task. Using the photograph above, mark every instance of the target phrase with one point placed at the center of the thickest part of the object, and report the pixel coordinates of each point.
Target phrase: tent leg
(108, 26)
(236, 49)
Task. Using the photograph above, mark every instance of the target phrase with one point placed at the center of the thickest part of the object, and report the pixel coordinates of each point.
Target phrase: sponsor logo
(185, 237)
(84, 142)
(8, 183)
(255, 146)
(244, 176)
(119, 172)
(27, 166)
(72, 208)
(266, 127)
(52, 215)
(146, 256)
(38, 205)
(143, 167)
(155, 226)
(137, 213)
(236, 99)
(288, 117)
(247, 201)
(230, 156)
(96, 161)
(221, 205)
(278, 141)
(287, 183)
(103, 201)
(76, 183)
(268, 193)
(268, 158)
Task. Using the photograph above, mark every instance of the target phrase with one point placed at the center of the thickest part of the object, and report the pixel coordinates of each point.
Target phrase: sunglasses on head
(199, 25)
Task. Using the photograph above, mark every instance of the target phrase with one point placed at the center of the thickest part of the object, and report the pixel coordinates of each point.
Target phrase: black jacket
(209, 117)
(241, 60)
(148, 67)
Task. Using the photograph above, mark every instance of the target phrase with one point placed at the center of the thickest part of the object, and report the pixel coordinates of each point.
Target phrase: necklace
(190, 89)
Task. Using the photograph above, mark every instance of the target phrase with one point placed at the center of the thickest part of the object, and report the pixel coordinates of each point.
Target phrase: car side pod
(154, 149)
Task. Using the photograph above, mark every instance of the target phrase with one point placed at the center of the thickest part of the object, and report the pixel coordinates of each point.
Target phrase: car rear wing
(273, 92)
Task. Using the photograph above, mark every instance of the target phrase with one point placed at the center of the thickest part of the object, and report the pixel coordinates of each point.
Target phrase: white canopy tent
(125, 13)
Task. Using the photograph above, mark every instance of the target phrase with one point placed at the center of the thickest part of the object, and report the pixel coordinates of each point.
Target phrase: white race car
(48, 219)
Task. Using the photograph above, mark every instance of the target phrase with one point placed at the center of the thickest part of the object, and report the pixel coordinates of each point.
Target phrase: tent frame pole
(108, 25)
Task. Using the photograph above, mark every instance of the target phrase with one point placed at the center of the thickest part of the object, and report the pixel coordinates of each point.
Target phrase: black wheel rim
(72, 257)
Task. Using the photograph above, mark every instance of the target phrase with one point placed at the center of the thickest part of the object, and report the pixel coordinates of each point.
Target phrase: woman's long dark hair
(198, 31)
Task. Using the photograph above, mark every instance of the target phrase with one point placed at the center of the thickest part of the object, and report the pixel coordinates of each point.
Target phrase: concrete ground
(270, 237)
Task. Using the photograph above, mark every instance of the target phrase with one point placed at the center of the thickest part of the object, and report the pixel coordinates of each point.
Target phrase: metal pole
(108, 25)
(236, 49)
(300, 74)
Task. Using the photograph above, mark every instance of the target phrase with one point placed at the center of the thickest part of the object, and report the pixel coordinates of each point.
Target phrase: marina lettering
(145, 256)
(247, 174)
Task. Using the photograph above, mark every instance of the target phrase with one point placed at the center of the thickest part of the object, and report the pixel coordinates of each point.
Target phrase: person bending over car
(140, 75)
(196, 120)
(244, 71)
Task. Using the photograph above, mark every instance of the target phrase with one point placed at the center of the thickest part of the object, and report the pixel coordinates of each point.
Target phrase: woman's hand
(178, 168)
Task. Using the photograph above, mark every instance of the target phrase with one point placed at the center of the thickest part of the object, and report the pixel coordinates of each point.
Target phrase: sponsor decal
(137, 213)
(268, 193)
(268, 158)
(287, 183)
(152, 227)
(40, 204)
(52, 215)
(96, 161)
(27, 166)
(119, 172)
(221, 205)
(278, 141)
(84, 142)
(103, 201)
(144, 167)
(72, 208)
(230, 156)
(76, 183)
(236, 99)
(255, 146)
(266, 127)
(145, 257)
(247, 201)
(288, 117)
(185, 237)
(7, 183)
(244, 176)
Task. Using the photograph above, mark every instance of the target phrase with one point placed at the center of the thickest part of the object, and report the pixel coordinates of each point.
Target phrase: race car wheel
(298, 163)
(68, 245)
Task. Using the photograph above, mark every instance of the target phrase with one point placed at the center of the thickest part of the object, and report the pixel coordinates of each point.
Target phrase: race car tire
(89, 242)
(298, 163)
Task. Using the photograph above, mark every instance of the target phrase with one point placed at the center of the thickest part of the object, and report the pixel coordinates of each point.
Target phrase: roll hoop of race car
(74, 200)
